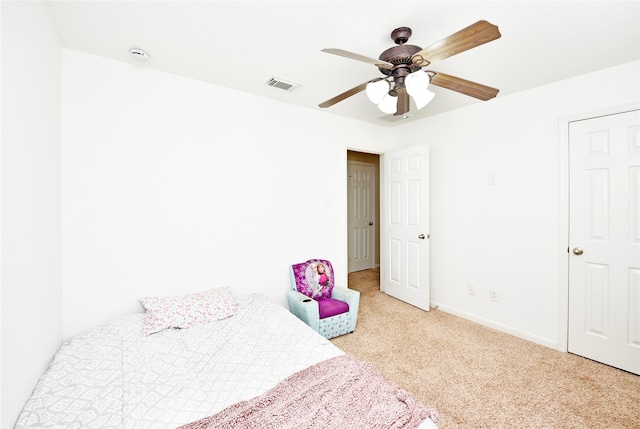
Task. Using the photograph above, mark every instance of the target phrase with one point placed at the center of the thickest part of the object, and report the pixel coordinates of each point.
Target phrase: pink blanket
(339, 393)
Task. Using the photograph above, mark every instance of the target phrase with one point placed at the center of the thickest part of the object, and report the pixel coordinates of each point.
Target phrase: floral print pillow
(164, 312)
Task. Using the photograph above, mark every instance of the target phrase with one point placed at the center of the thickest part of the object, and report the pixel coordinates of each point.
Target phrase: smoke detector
(139, 55)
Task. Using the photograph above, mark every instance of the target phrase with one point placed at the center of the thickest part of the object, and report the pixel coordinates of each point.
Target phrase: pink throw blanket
(339, 393)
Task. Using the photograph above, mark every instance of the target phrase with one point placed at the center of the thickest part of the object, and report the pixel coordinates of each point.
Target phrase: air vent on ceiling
(282, 84)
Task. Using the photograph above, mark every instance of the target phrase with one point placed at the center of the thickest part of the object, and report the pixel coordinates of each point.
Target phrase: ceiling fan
(402, 67)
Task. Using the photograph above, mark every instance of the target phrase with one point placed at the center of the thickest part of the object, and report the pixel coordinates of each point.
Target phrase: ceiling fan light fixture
(402, 67)
(417, 81)
(422, 98)
(377, 90)
(389, 104)
(417, 84)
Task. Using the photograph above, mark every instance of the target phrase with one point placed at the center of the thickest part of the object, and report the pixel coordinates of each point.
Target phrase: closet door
(604, 239)
(361, 219)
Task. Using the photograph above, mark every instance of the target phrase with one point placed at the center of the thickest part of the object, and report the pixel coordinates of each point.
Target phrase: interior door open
(404, 212)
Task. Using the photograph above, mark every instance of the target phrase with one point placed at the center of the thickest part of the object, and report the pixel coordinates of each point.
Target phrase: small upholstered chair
(315, 299)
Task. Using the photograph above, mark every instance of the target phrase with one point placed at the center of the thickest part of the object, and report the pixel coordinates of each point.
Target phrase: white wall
(164, 192)
(172, 185)
(505, 236)
(30, 197)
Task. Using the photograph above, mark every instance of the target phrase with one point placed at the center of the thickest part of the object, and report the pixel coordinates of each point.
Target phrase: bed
(213, 374)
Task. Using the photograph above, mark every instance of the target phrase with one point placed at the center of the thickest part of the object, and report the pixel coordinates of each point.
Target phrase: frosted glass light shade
(377, 90)
(422, 98)
(417, 81)
(417, 84)
(389, 104)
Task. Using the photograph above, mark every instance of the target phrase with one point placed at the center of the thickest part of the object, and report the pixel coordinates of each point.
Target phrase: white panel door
(604, 240)
(361, 221)
(404, 227)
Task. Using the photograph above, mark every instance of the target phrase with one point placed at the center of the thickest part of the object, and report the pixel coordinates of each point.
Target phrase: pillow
(164, 312)
(314, 278)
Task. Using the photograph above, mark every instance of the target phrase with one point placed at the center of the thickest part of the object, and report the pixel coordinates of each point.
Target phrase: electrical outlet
(471, 290)
(493, 295)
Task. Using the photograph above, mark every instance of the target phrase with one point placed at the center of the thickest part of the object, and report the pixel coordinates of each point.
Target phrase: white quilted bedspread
(114, 377)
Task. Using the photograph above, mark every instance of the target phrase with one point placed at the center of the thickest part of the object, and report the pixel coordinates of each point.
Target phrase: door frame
(563, 212)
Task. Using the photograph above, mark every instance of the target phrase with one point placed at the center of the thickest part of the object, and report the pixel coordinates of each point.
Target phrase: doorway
(363, 206)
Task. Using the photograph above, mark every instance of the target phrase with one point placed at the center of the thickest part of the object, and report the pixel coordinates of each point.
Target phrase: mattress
(115, 377)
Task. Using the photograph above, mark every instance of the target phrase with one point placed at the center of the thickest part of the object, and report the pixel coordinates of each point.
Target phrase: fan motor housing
(400, 54)
(400, 57)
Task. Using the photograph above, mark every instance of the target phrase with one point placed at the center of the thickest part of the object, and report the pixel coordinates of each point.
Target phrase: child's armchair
(330, 310)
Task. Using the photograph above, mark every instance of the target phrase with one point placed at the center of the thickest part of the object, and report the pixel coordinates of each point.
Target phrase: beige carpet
(477, 377)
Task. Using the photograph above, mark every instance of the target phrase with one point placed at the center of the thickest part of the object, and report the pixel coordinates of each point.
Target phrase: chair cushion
(331, 307)
(314, 278)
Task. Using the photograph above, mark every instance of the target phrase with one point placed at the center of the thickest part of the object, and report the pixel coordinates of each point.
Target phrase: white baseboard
(498, 326)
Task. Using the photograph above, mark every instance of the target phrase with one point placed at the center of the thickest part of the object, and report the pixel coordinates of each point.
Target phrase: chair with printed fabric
(315, 299)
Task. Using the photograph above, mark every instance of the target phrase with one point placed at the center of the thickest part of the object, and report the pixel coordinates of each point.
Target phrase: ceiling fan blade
(472, 89)
(351, 55)
(403, 102)
(470, 37)
(346, 94)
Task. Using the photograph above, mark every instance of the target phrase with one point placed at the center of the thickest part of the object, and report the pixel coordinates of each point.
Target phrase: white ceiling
(242, 44)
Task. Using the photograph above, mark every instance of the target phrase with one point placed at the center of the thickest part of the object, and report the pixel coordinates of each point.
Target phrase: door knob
(421, 236)
(577, 251)
(370, 223)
